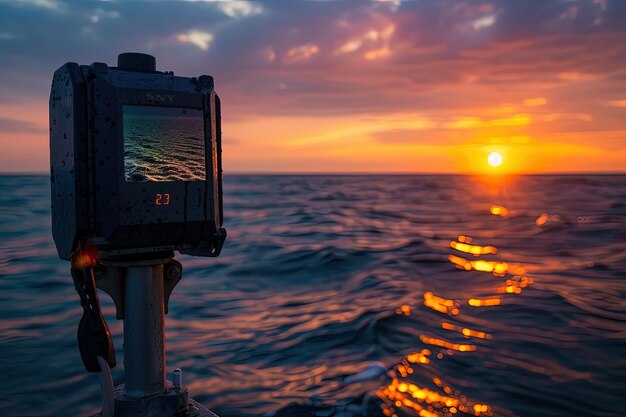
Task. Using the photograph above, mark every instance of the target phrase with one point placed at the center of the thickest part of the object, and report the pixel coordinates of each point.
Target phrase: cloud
(407, 136)
(476, 122)
(45, 4)
(198, 38)
(301, 53)
(576, 76)
(534, 102)
(235, 9)
(240, 9)
(345, 51)
(99, 14)
(483, 22)
(374, 43)
(617, 103)
(376, 127)
(393, 5)
(20, 126)
(424, 52)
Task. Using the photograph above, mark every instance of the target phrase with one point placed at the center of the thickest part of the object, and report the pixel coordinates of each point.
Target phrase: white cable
(106, 383)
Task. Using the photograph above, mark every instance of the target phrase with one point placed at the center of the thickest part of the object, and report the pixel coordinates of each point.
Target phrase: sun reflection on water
(441, 305)
(497, 210)
(465, 331)
(497, 268)
(428, 402)
(473, 249)
(403, 397)
(404, 310)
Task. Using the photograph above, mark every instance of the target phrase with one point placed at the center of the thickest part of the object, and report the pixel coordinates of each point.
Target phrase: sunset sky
(350, 86)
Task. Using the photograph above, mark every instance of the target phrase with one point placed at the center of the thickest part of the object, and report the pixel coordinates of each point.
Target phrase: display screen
(163, 144)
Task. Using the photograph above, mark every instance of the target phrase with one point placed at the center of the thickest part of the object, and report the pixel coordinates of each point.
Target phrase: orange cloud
(301, 53)
(535, 102)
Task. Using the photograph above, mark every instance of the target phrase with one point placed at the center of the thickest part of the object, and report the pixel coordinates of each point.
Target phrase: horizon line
(381, 173)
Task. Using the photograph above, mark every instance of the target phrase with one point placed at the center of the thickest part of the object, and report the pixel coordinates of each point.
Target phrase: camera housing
(135, 160)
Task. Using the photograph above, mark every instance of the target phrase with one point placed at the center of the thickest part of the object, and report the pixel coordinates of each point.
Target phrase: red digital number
(162, 199)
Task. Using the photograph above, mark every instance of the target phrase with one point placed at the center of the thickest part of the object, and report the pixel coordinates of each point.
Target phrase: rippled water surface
(355, 295)
(163, 144)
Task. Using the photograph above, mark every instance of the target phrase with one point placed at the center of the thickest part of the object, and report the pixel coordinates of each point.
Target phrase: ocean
(355, 295)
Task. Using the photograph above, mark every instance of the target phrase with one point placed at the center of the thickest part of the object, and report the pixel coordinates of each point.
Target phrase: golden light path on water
(402, 397)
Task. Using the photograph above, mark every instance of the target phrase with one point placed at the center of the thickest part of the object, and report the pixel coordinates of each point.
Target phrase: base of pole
(171, 403)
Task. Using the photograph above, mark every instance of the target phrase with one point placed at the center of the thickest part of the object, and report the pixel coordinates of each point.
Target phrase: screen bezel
(136, 193)
(126, 204)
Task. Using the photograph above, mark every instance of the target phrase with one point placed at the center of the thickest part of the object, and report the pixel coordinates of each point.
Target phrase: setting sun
(494, 159)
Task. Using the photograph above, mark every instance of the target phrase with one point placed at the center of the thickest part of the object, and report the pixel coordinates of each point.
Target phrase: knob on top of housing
(136, 61)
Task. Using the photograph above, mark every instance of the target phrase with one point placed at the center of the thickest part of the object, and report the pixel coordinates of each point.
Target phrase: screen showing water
(163, 144)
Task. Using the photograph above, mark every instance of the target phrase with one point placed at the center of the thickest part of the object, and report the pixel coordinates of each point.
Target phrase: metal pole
(144, 336)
